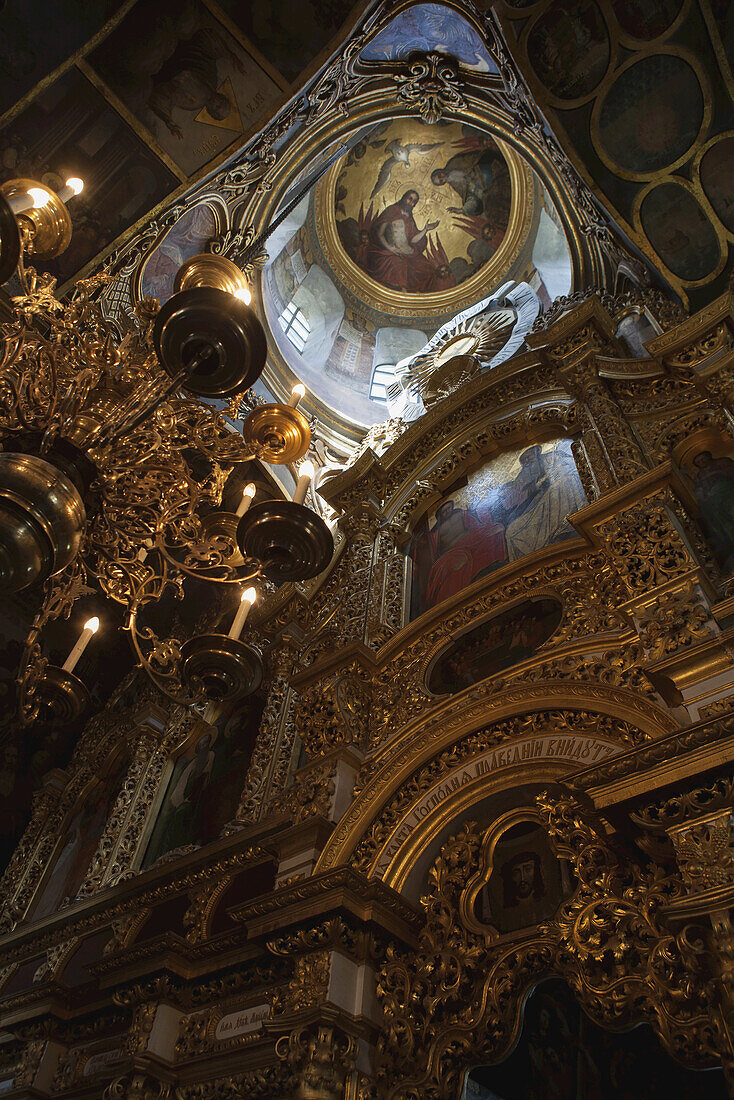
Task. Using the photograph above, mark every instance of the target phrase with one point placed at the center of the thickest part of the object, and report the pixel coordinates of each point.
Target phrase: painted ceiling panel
(640, 95)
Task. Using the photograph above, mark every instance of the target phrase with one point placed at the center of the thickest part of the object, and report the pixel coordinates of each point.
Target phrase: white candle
(297, 393)
(29, 200)
(246, 601)
(73, 186)
(244, 295)
(305, 474)
(247, 494)
(212, 712)
(91, 627)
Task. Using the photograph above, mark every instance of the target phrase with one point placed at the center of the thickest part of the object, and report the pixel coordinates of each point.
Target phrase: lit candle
(244, 295)
(73, 186)
(297, 393)
(91, 627)
(246, 601)
(305, 475)
(29, 200)
(247, 494)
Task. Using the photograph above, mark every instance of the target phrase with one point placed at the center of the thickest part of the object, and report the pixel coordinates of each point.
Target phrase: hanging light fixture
(104, 442)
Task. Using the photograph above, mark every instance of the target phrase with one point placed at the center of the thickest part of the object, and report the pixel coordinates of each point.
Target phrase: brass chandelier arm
(117, 465)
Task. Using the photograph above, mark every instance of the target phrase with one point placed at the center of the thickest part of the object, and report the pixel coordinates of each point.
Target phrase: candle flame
(307, 469)
(299, 389)
(92, 624)
(249, 490)
(75, 184)
(244, 295)
(39, 195)
(250, 594)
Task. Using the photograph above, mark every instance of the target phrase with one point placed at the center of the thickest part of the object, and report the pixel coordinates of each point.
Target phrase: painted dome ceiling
(409, 226)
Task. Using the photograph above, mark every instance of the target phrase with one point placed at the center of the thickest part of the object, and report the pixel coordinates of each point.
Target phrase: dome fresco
(420, 208)
(412, 224)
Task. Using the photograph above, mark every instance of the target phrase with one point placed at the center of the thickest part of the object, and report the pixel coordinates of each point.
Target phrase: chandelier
(113, 463)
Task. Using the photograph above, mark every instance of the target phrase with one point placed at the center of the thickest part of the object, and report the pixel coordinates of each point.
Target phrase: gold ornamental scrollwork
(608, 940)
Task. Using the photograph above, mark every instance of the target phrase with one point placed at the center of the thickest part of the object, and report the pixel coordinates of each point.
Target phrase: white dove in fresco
(400, 154)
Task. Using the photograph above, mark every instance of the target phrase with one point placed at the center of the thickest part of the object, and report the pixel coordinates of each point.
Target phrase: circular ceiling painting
(420, 210)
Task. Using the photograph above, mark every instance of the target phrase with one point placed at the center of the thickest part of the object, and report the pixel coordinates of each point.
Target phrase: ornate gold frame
(440, 303)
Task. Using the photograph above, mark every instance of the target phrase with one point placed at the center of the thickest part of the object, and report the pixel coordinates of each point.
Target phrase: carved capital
(320, 1060)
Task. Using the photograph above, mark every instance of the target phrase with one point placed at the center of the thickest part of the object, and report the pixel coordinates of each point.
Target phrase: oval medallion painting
(495, 645)
(419, 208)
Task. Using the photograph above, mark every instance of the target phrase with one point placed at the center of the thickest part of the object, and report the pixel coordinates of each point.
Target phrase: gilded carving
(607, 940)
(319, 1060)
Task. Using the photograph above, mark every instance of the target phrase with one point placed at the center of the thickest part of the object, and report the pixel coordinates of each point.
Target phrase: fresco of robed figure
(511, 506)
(421, 208)
(205, 785)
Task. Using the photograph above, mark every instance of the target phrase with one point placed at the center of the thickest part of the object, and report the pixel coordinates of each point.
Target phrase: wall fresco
(70, 130)
(185, 78)
(421, 208)
(513, 505)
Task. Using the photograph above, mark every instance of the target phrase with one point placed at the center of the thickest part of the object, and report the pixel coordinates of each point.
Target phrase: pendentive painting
(428, 27)
(204, 788)
(189, 236)
(185, 77)
(495, 645)
(422, 208)
(514, 504)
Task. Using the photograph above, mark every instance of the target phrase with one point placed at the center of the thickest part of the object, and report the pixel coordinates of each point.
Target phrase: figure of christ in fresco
(395, 255)
(465, 547)
(714, 488)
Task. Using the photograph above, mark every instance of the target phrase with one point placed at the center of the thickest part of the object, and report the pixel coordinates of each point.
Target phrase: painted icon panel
(494, 645)
(190, 82)
(527, 881)
(205, 785)
(514, 504)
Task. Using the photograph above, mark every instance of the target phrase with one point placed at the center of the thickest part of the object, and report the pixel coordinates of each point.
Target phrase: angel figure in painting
(399, 154)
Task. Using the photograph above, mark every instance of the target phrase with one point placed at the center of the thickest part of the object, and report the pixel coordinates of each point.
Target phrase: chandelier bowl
(292, 542)
(220, 668)
(216, 330)
(42, 519)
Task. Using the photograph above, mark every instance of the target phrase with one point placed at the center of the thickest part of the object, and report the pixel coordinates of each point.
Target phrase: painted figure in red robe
(465, 548)
(395, 256)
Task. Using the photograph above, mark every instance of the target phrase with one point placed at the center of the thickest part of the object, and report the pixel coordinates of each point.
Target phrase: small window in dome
(382, 376)
(295, 326)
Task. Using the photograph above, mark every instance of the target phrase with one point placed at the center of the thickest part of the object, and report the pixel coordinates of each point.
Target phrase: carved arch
(462, 729)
